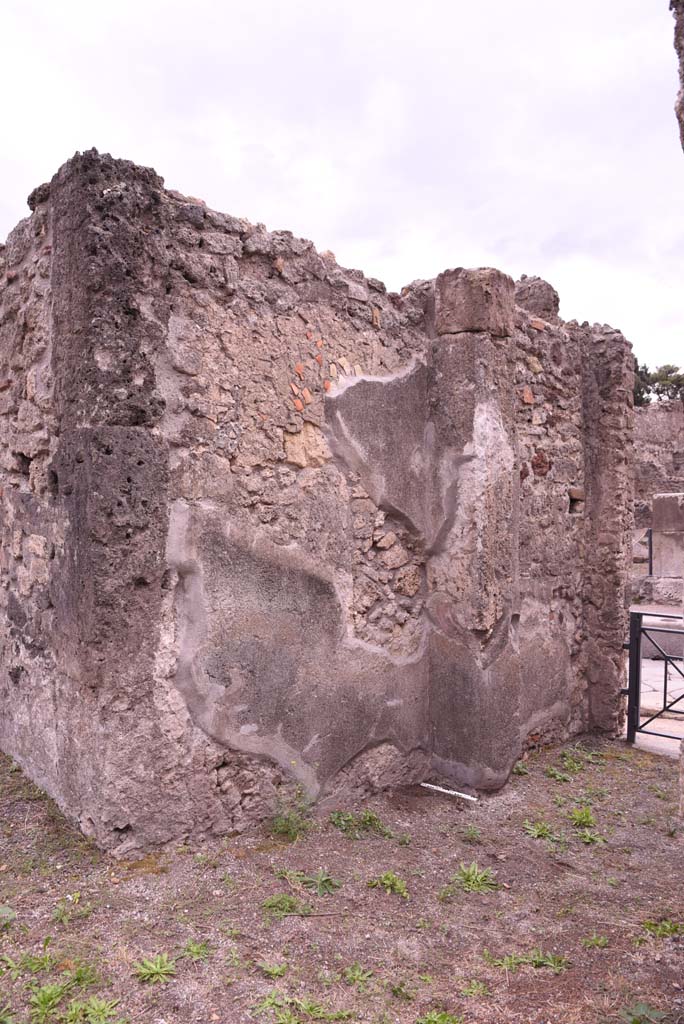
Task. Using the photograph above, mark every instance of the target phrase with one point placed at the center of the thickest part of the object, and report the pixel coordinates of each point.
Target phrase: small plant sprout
(664, 929)
(7, 917)
(582, 817)
(291, 820)
(356, 975)
(475, 988)
(391, 883)
(520, 768)
(470, 878)
(272, 970)
(641, 1013)
(92, 1011)
(157, 970)
(45, 1000)
(557, 775)
(322, 883)
(285, 905)
(595, 941)
(439, 1017)
(535, 958)
(400, 990)
(196, 952)
(354, 826)
(589, 837)
(538, 829)
(572, 761)
(472, 834)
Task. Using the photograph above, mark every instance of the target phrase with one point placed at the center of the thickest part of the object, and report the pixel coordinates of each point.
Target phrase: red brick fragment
(307, 396)
(319, 359)
(327, 385)
(299, 370)
(540, 463)
(298, 404)
(527, 396)
(319, 343)
(295, 389)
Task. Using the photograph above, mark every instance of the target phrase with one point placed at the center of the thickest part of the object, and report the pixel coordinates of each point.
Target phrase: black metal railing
(638, 630)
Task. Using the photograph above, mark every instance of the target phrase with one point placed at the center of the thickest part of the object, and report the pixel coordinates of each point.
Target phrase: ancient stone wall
(658, 455)
(658, 469)
(266, 524)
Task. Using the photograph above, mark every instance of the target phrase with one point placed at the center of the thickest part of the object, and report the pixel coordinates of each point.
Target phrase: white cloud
(532, 136)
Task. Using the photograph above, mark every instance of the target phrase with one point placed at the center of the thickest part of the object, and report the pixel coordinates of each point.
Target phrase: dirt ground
(586, 923)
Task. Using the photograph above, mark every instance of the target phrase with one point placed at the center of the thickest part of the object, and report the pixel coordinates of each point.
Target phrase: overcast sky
(533, 136)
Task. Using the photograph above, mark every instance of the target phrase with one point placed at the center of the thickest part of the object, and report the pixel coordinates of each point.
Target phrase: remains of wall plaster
(266, 524)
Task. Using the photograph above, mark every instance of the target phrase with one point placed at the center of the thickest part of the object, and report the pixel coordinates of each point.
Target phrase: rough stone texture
(481, 300)
(537, 297)
(658, 455)
(265, 524)
(658, 468)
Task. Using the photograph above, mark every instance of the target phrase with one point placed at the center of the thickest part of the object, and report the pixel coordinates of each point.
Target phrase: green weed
(439, 1017)
(538, 829)
(356, 975)
(582, 817)
(400, 990)
(475, 988)
(664, 929)
(535, 958)
(557, 775)
(92, 1011)
(641, 1013)
(285, 905)
(292, 821)
(354, 826)
(7, 917)
(196, 952)
(272, 970)
(45, 1000)
(470, 878)
(158, 970)
(322, 883)
(589, 837)
(595, 941)
(391, 883)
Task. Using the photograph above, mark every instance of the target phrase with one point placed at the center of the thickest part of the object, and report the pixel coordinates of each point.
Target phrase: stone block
(668, 513)
(475, 300)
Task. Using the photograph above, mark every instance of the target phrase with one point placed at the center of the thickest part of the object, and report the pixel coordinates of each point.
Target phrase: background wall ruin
(266, 524)
(658, 469)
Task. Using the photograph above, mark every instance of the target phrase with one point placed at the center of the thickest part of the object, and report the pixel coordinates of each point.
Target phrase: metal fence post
(634, 693)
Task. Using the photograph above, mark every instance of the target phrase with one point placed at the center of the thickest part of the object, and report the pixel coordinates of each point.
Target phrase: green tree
(642, 383)
(668, 382)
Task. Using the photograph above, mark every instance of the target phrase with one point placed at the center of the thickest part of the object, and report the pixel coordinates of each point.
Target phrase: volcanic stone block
(474, 300)
(668, 535)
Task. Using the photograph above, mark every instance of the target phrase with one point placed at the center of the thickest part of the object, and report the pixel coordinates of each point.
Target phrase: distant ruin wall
(658, 455)
(265, 524)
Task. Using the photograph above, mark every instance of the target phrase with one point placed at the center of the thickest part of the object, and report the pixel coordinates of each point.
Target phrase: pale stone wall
(265, 524)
